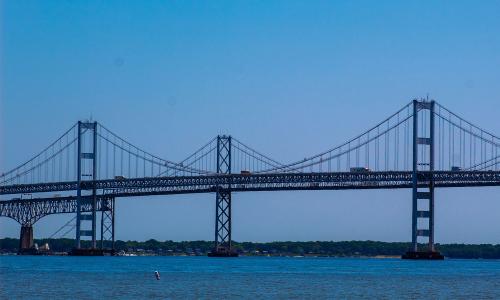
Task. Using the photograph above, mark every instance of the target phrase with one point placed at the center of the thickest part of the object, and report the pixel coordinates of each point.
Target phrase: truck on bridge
(360, 170)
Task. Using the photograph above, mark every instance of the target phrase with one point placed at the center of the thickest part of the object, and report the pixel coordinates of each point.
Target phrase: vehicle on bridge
(360, 170)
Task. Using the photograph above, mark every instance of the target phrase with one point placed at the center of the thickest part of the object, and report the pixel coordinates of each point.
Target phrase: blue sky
(290, 78)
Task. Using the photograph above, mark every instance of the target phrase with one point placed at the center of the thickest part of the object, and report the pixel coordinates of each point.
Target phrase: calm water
(30, 277)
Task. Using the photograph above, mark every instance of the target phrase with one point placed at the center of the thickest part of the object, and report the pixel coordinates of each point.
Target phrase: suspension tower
(222, 242)
(423, 191)
(86, 170)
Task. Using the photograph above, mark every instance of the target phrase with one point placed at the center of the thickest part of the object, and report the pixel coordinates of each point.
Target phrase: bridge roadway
(28, 211)
(264, 182)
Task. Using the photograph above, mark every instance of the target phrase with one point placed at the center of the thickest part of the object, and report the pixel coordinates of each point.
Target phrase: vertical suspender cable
(396, 146)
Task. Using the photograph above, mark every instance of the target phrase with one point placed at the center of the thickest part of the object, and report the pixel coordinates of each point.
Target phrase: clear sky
(290, 78)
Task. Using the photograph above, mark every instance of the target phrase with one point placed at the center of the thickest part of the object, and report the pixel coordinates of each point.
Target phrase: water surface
(54, 277)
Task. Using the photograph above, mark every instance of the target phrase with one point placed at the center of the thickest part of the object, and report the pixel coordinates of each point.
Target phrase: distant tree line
(319, 248)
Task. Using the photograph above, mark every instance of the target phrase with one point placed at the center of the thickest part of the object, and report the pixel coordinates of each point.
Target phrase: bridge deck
(265, 182)
(29, 210)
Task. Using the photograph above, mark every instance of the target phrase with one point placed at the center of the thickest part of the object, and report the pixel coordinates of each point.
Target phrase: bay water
(64, 277)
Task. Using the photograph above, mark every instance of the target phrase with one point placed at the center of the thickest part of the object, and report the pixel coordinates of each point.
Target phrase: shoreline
(370, 249)
(381, 257)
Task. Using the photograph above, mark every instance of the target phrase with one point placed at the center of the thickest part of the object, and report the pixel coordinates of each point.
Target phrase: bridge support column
(26, 240)
(108, 225)
(222, 246)
(222, 242)
(423, 192)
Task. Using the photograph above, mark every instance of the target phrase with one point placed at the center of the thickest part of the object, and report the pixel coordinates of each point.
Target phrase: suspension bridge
(422, 146)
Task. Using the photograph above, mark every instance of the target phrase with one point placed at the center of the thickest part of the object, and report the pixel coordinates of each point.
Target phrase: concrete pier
(26, 240)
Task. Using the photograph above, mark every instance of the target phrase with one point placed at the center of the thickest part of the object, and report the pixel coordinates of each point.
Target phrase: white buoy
(157, 275)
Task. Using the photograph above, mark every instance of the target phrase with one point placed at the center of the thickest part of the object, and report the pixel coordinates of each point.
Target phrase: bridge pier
(423, 196)
(26, 240)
